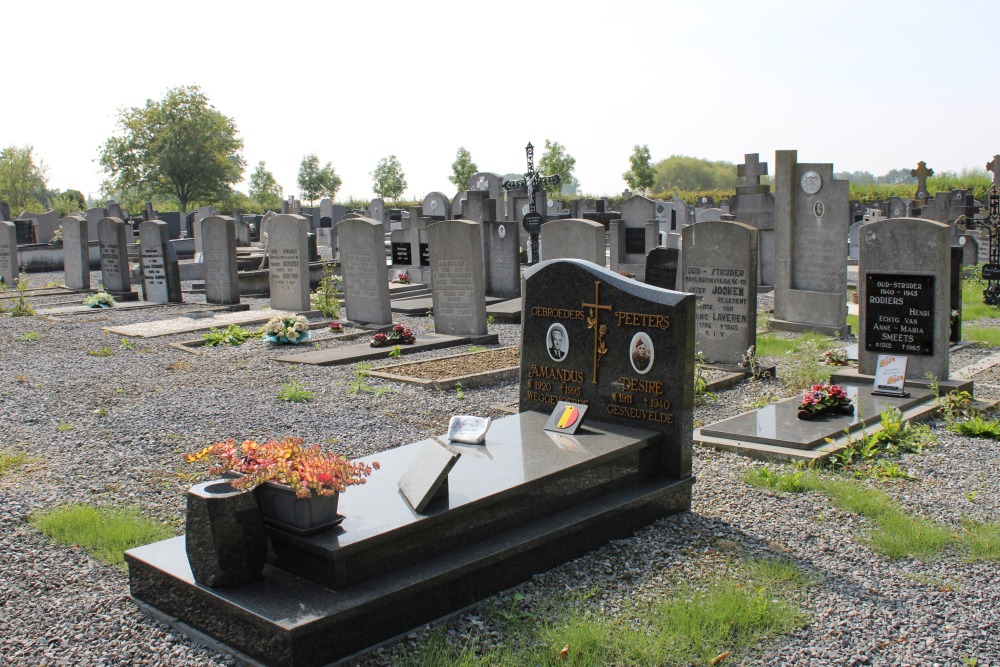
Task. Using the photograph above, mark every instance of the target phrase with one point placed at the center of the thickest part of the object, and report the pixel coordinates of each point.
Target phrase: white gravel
(133, 413)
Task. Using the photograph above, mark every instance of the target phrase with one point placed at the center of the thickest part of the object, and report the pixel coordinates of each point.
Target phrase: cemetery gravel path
(111, 430)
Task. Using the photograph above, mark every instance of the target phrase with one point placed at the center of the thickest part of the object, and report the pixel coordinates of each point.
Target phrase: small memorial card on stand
(890, 376)
(427, 476)
(566, 417)
(468, 429)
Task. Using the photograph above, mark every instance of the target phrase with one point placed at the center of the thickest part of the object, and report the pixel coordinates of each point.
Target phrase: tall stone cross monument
(922, 172)
(532, 182)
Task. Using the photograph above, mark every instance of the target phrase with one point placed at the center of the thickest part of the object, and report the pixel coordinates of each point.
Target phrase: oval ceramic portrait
(557, 342)
(811, 182)
(819, 209)
(640, 353)
(501, 231)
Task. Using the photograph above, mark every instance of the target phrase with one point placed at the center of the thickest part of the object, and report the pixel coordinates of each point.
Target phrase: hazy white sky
(864, 84)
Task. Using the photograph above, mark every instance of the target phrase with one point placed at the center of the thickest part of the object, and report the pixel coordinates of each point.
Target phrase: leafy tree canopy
(179, 145)
(679, 172)
(556, 161)
(388, 179)
(22, 179)
(316, 182)
(641, 175)
(462, 169)
(264, 188)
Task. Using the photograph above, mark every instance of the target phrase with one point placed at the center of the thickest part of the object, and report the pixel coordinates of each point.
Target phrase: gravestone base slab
(505, 311)
(349, 354)
(124, 296)
(775, 432)
(803, 327)
(520, 504)
(762, 371)
(852, 376)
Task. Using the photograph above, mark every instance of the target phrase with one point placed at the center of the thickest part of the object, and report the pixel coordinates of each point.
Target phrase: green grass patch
(973, 307)
(11, 460)
(104, 532)
(295, 392)
(771, 344)
(981, 335)
(690, 625)
(855, 323)
(981, 539)
(789, 482)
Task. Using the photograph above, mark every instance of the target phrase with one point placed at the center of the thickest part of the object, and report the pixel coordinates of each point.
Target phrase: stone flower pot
(280, 508)
(225, 541)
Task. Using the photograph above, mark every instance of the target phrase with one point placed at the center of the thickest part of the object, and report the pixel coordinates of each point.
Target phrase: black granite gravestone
(899, 313)
(661, 267)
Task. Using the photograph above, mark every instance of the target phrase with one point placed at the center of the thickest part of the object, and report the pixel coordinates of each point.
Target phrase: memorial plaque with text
(635, 240)
(425, 255)
(899, 314)
(401, 254)
(624, 349)
(661, 267)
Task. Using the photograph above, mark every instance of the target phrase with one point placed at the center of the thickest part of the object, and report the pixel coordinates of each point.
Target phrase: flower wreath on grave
(403, 278)
(336, 326)
(824, 398)
(306, 469)
(290, 329)
(99, 300)
(399, 335)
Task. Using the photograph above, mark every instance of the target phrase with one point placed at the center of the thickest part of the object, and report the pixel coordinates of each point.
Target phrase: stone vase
(225, 542)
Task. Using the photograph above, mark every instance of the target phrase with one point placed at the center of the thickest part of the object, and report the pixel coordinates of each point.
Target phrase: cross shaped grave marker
(922, 172)
(752, 169)
(532, 182)
(994, 166)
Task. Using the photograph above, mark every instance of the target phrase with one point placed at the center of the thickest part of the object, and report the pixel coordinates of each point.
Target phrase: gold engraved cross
(600, 349)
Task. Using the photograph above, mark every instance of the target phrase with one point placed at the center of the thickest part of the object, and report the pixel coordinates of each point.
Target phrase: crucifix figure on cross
(922, 172)
(532, 182)
(994, 166)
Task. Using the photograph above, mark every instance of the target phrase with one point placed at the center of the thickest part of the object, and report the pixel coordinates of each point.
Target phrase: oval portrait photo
(557, 342)
(640, 351)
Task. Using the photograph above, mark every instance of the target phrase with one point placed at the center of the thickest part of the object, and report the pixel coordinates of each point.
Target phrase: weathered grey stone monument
(409, 247)
(573, 239)
(161, 278)
(903, 293)
(114, 259)
(754, 205)
(486, 181)
(222, 282)
(634, 235)
(8, 253)
(458, 290)
(288, 253)
(720, 268)
(76, 252)
(811, 222)
(437, 206)
(362, 255)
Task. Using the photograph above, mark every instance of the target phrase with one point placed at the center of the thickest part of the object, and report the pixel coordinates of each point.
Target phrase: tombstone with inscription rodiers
(623, 348)
(811, 224)
(222, 282)
(458, 290)
(362, 255)
(161, 278)
(904, 295)
(113, 235)
(288, 262)
(719, 260)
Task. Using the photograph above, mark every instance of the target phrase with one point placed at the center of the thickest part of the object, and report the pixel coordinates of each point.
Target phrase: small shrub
(28, 337)
(396, 352)
(459, 392)
(324, 299)
(977, 427)
(127, 344)
(232, 335)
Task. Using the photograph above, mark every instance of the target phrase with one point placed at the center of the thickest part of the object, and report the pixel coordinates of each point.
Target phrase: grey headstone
(46, 224)
(113, 237)
(94, 216)
(161, 278)
(627, 352)
(456, 204)
(903, 295)
(573, 239)
(8, 253)
(437, 206)
(661, 267)
(428, 474)
(709, 214)
(811, 222)
(114, 209)
(362, 254)
(76, 252)
(720, 268)
(288, 257)
(264, 222)
(492, 183)
(457, 286)
(222, 282)
(503, 258)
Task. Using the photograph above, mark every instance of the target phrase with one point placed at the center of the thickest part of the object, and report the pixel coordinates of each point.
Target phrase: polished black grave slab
(526, 501)
(778, 424)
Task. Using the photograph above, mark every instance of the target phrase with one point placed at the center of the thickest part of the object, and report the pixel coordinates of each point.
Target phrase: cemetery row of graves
(763, 421)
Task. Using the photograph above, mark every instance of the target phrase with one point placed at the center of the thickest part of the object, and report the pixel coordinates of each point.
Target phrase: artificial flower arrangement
(57, 236)
(336, 327)
(288, 329)
(305, 468)
(399, 335)
(823, 398)
(403, 278)
(99, 300)
(836, 357)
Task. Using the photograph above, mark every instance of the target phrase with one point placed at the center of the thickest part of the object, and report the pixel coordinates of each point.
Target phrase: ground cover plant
(104, 532)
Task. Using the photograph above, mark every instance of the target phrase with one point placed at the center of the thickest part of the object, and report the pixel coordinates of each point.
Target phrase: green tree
(641, 175)
(556, 161)
(22, 180)
(68, 202)
(462, 169)
(315, 181)
(264, 188)
(179, 145)
(388, 179)
(679, 172)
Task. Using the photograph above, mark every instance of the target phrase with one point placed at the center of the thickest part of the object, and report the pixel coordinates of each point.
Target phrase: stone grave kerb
(611, 328)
